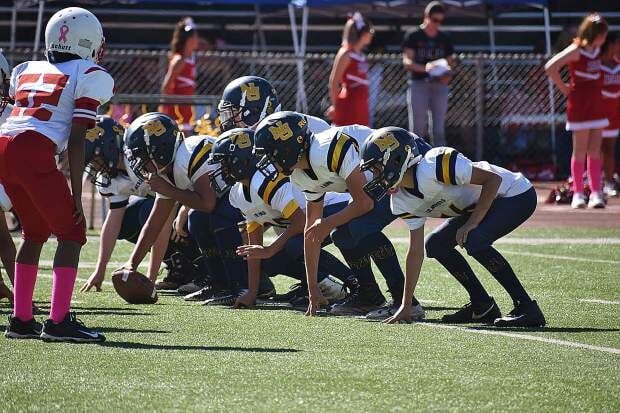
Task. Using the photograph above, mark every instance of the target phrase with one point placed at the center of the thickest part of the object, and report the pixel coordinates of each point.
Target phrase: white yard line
(560, 257)
(597, 301)
(528, 337)
(40, 274)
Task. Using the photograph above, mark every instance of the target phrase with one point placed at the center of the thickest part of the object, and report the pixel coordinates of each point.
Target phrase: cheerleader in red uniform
(610, 68)
(586, 116)
(348, 81)
(181, 76)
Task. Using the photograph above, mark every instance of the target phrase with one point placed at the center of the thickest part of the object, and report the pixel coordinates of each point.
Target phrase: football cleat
(203, 294)
(192, 286)
(387, 311)
(578, 201)
(525, 314)
(610, 188)
(364, 299)
(481, 312)
(332, 290)
(224, 298)
(70, 329)
(22, 329)
(294, 292)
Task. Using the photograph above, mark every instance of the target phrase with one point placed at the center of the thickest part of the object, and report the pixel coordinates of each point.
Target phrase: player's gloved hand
(403, 315)
(316, 302)
(245, 300)
(95, 280)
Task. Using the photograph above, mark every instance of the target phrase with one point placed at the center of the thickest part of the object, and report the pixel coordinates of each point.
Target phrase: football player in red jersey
(55, 103)
(585, 112)
(181, 76)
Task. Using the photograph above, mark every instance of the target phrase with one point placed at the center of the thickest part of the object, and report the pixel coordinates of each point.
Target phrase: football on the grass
(133, 287)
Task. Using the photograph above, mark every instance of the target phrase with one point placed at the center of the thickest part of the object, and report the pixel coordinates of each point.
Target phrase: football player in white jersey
(329, 162)
(7, 247)
(265, 203)
(5, 83)
(56, 101)
(483, 203)
(176, 169)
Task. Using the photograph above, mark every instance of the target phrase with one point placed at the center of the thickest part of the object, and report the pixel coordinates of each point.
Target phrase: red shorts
(38, 190)
(585, 110)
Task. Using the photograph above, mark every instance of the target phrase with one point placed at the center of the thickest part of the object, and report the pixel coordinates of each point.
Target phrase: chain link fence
(500, 108)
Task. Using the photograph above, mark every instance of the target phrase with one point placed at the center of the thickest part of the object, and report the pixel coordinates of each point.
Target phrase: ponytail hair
(354, 28)
(590, 28)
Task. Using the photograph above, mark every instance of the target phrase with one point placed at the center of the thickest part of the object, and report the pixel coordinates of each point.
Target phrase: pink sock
(576, 169)
(25, 278)
(594, 174)
(62, 290)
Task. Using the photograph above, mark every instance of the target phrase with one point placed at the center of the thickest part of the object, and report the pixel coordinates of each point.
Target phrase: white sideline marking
(528, 337)
(597, 301)
(560, 257)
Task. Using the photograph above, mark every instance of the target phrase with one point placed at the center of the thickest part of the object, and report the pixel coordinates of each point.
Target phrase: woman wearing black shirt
(427, 56)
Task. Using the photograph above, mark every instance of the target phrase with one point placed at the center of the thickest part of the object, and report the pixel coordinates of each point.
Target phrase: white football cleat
(387, 311)
(578, 201)
(332, 290)
(596, 200)
(609, 189)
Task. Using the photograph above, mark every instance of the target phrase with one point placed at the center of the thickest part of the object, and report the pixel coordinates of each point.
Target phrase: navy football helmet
(388, 152)
(233, 152)
(152, 138)
(246, 101)
(103, 150)
(280, 141)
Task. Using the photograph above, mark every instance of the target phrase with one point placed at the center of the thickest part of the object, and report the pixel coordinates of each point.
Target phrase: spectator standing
(586, 116)
(427, 56)
(348, 80)
(180, 78)
(610, 68)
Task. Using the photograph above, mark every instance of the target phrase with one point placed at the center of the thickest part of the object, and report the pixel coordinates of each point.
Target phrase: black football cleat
(481, 312)
(22, 329)
(363, 299)
(224, 298)
(525, 314)
(203, 294)
(70, 329)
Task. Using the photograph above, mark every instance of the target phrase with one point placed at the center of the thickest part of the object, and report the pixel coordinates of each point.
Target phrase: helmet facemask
(99, 172)
(387, 173)
(230, 116)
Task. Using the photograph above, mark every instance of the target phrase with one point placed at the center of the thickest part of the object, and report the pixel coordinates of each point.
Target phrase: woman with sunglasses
(427, 56)
(348, 81)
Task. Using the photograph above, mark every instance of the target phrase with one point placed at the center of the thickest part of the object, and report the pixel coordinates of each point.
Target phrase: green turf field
(180, 356)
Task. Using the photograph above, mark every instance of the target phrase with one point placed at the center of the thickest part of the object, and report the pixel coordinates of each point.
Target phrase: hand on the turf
(316, 302)
(95, 280)
(461, 233)
(402, 315)
(252, 252)
(245, 300)
(318, 231)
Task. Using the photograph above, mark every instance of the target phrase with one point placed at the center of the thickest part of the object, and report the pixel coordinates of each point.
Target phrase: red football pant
(38, 190)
